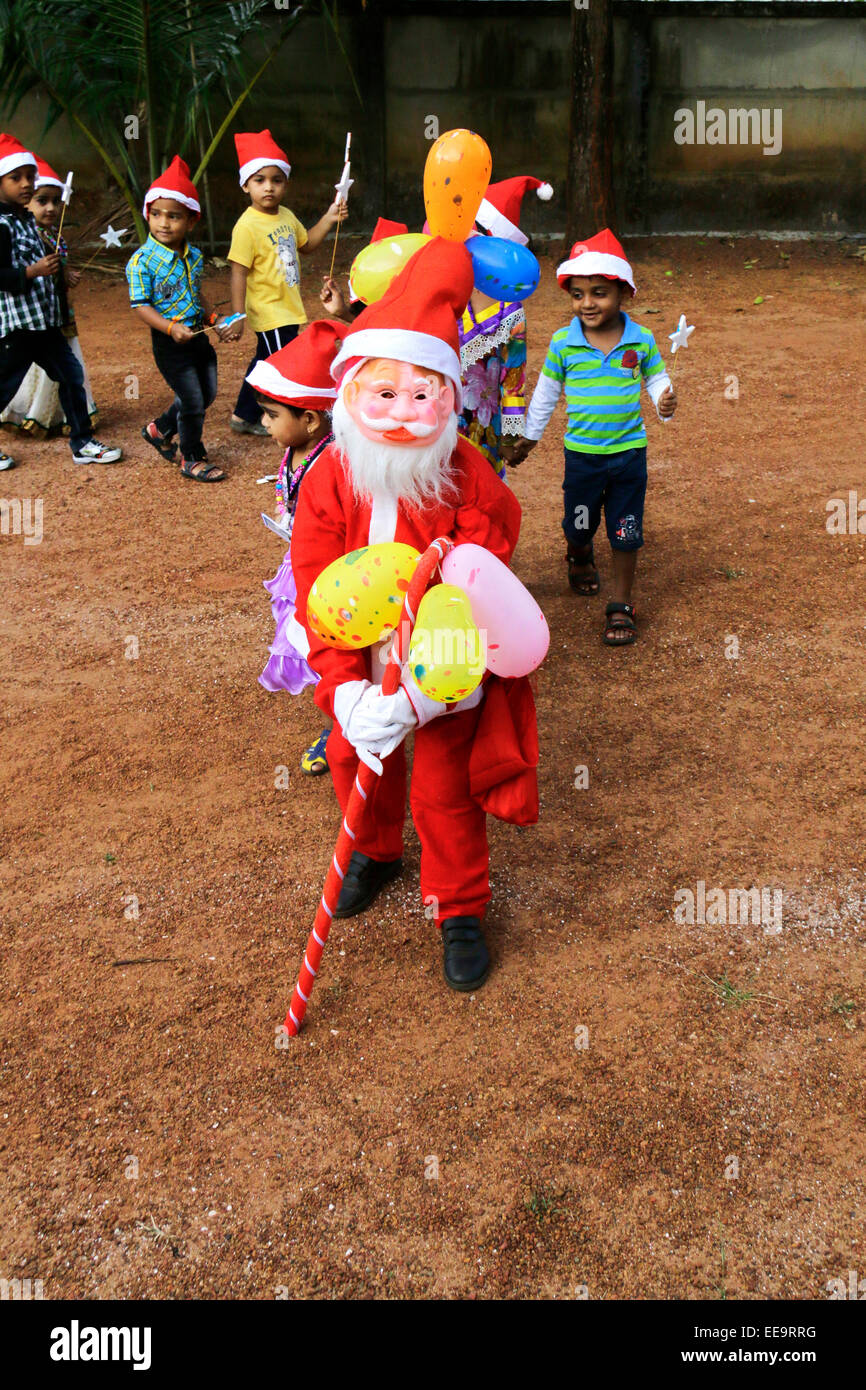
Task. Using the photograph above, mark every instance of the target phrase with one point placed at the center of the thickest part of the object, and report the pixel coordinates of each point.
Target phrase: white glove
(426, 708)
(374, 724)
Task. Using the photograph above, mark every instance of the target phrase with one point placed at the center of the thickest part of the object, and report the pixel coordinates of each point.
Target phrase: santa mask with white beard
(396, 426)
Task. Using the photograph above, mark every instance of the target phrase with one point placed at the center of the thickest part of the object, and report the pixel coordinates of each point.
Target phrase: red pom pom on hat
(499, 213)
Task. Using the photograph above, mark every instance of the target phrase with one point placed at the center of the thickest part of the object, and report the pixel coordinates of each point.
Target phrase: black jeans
(191, 371)
(266, 344)
(48, 348)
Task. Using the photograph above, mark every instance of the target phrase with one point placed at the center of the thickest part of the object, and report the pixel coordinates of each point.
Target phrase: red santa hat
(416, 318)
(46, 176)
(499, 213)
(601, 255)
(257, 149)
(299, 374)
(13, 155)
(174, 183)
(382, 229)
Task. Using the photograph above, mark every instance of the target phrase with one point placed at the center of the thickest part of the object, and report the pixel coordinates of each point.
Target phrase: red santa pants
(451, 826)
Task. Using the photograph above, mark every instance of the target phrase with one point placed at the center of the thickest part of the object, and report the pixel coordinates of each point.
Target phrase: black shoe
(467, 962)
(364, 878)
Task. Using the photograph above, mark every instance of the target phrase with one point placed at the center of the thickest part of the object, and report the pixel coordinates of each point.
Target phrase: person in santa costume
(295, 392)
(35, 409)
(493, 336)
(601, 359)
(398, 470)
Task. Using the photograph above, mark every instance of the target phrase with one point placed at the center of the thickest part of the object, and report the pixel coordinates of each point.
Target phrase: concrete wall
(811, 69)
(503, 70)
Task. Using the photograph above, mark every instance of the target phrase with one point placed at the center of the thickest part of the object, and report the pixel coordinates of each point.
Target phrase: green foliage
(177, 66)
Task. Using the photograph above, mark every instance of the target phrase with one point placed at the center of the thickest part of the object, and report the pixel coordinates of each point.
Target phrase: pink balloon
(503, 610)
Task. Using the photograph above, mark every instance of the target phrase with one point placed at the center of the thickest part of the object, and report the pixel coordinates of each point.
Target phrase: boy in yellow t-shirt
(266, 277)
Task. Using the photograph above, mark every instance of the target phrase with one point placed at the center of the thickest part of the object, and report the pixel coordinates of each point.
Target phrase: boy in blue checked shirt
(31, 311)
(601, 359)
(164, 278)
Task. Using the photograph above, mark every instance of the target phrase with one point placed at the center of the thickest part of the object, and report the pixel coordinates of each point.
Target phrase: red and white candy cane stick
(364, 781)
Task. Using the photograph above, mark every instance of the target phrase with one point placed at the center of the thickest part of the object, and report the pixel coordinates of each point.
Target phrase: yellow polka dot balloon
(446, 653)
(357, 600)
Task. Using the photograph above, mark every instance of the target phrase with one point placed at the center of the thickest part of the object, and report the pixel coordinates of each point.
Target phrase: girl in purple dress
(295, 393)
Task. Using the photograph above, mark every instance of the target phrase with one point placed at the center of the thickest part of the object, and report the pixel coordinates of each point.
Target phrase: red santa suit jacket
(330, 521)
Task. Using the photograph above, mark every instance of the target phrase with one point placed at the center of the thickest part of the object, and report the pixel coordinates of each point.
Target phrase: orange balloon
(456, 176)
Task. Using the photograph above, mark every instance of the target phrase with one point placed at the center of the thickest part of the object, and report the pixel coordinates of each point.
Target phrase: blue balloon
(503, 269)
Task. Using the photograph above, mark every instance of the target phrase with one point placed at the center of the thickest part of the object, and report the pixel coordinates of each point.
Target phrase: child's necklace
(291, 482)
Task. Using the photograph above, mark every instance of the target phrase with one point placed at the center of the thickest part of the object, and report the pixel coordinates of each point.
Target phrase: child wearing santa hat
(266, 277)
(31, 308)
(164, 277)
(35, 409)
(601, 359)
(295, 392)
(493, 336)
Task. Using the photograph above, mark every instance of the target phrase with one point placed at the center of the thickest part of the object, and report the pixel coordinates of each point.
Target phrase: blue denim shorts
(617, 481)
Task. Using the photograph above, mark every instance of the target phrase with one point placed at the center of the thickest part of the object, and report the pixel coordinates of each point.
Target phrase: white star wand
(342, 194)
(680, 338)
(65, 196)
(111, 237)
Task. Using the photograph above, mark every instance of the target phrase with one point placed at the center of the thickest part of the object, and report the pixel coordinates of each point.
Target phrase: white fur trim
(497, 224)
(17, 161)
(403, 345)
(544, 192)
(266, 377)
(48, 183)
(383, 519)
(153, 193)
(253, 166)
(596, 263)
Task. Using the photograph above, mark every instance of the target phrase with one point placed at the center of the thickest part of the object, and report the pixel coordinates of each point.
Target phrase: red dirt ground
(156, 1143)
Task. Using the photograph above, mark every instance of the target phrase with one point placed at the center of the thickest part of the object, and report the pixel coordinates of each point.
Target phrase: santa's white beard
(418, 476)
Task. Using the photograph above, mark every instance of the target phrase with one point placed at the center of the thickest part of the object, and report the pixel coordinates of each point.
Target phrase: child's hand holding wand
(46, 265)
(331, 297)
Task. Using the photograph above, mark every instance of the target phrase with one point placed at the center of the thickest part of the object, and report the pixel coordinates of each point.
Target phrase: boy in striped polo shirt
(601, 358)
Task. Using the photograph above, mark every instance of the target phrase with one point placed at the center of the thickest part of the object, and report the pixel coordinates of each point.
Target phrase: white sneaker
(94, 452)
(6, 462)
